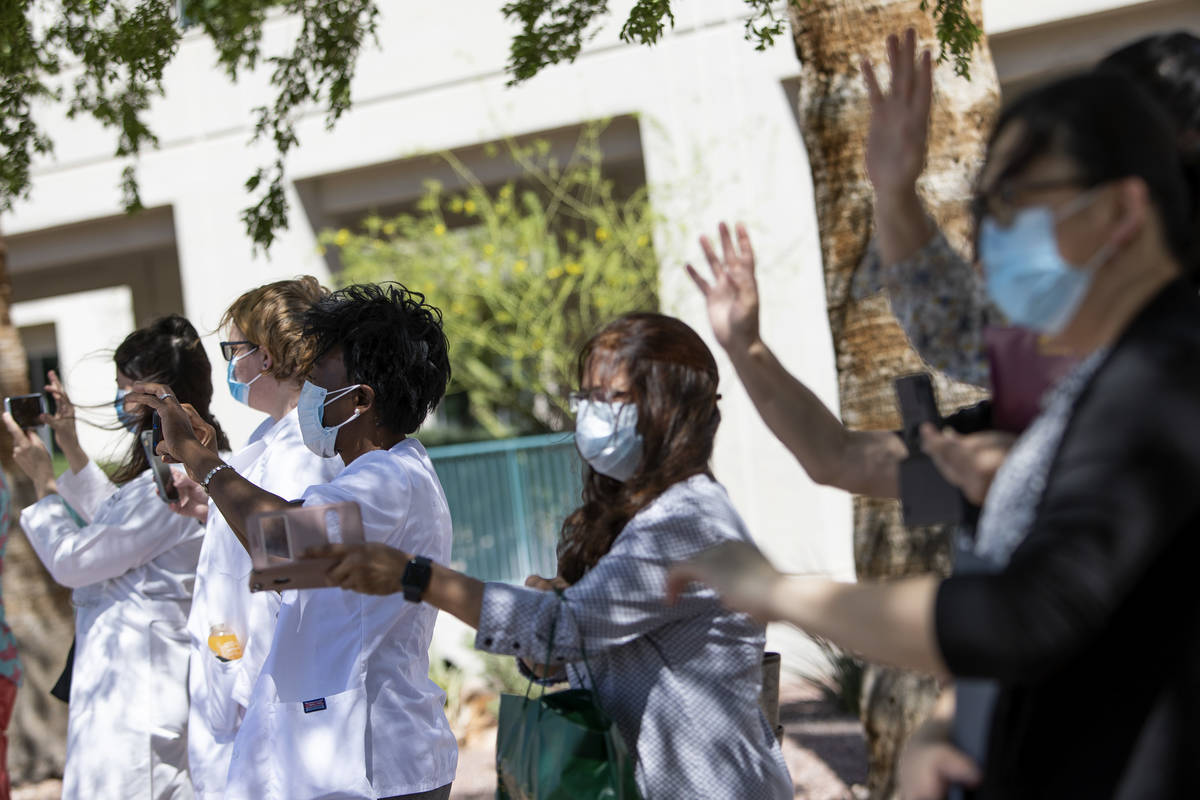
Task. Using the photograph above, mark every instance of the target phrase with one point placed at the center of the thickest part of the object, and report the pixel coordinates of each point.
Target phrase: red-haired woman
(682, 683)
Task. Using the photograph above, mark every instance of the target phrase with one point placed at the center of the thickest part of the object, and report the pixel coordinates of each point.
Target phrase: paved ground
(824, 751)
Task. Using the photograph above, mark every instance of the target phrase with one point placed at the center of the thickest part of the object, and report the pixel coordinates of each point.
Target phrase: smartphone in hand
(26, 409)
(164, 481)
(277, 541)
(926, 497)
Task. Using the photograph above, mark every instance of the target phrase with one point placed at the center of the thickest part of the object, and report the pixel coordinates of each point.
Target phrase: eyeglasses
(1002, 199)
(229, 349)
(574, 399)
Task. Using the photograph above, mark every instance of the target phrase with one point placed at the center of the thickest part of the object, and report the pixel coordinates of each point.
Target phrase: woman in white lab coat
(131, 563)
(344, 706)
(268, 358)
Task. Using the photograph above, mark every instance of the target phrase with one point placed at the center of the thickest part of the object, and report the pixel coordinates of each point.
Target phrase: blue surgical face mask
(130, 420)
(607, 438)
(240, 389)
(311, 410)
(1027, 277)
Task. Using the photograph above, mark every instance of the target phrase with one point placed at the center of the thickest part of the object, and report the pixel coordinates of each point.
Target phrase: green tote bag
(560, 746)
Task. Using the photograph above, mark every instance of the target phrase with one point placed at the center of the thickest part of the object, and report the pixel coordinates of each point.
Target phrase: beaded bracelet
(208, 478)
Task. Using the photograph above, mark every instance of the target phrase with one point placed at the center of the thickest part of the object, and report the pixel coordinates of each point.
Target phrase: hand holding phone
(927, 498)
(278, 540)
(164, 481)
(26, 409)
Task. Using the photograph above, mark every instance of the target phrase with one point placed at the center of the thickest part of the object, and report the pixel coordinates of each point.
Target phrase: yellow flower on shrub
(601, 234)
(643, 240)
(341, 238)
(469, 207)
(520, 266)
(389, 229)
(554, 273)
(456, 205)
(439, 230)
(574, 268)
(489, 250)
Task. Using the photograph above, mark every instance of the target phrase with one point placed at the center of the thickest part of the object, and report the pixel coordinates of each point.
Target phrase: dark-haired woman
(1089, 529)
(131, 563)
(682, 683)
(343, 706)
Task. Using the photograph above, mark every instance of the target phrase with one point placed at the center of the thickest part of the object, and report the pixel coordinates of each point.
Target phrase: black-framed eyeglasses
(229, 349)
(1006, 194)
(574, 399)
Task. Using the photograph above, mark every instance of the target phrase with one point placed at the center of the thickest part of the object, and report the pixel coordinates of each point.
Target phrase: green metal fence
(508, 499)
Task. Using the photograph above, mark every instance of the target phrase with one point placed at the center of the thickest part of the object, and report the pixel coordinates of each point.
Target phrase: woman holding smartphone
(268, 357)
(131, 563)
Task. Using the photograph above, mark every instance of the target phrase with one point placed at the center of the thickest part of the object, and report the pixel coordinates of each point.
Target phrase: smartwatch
(415, 580)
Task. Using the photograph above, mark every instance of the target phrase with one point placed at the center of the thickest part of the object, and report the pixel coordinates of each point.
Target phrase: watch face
(416, 578)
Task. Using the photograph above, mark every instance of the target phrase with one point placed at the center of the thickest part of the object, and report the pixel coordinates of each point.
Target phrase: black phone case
(927, 498)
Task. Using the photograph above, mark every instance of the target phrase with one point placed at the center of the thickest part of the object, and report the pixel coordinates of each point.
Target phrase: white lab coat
(132, 568)
(344, 707)
(276, 459)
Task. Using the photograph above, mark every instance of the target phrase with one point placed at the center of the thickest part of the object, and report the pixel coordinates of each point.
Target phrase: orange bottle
(224, 643)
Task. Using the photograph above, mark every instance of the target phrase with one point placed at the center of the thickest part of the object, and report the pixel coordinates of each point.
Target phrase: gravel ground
(823, 748)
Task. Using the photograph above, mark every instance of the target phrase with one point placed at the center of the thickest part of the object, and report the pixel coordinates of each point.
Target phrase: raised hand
(738, 571)
(182, 425)
(31, 456)
(732, 297)
(62, 421)
(898, 134)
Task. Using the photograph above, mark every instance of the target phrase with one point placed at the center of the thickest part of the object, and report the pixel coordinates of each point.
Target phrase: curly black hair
(392, 341)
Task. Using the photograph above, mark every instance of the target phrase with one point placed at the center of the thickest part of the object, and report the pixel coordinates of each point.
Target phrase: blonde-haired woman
(268, 358)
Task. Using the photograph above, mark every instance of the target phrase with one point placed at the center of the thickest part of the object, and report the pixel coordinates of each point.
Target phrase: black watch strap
(415, 580)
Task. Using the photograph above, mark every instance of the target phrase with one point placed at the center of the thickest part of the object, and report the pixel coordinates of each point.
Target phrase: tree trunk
(36, 608)
(831, 36)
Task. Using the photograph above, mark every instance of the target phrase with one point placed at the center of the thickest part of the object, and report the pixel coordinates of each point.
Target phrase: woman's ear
(364, 398)
(268, 362)
(1130, 212)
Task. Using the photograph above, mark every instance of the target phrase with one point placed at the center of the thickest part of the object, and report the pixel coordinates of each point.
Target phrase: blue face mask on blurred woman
(607, 438)
(1027, 277)
(311, 410)
(128, 419)
(240, 389)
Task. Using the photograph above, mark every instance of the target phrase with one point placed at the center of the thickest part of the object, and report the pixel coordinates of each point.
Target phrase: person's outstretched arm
(864, 462)
(888, 623)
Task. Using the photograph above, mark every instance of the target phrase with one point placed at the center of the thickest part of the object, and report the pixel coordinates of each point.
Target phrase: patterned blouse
(940, 301)
(682, 682)
(10, 666)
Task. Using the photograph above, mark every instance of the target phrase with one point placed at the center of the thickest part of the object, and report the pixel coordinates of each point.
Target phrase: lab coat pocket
(221, 712)
(321, 744)
(168, 706)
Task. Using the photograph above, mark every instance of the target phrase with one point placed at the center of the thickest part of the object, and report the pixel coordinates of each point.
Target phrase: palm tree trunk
(36, 608)
(831, 36)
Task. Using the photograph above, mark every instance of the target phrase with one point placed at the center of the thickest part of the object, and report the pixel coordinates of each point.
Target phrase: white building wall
(88, 326)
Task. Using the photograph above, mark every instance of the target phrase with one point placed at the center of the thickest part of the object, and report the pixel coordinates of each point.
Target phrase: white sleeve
(86, 490)
(133, 530)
